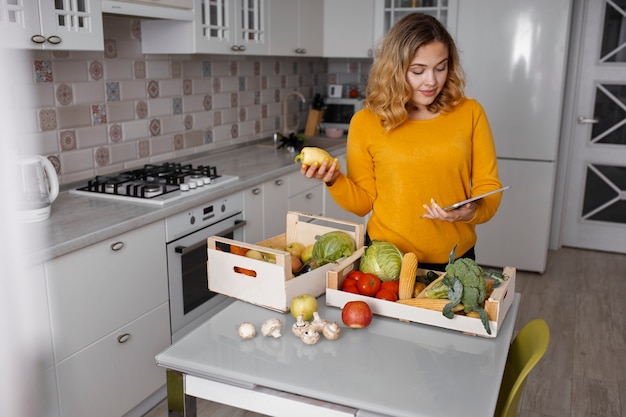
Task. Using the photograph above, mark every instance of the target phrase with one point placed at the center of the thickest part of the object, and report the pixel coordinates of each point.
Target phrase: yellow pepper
(311, 155)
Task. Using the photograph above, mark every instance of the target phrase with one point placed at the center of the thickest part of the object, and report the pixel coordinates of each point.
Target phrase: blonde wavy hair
(388, 92)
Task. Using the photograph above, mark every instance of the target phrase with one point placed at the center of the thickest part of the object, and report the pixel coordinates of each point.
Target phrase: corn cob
(408, 269)
(436, 304)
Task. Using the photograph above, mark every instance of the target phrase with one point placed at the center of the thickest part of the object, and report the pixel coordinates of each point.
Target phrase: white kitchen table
(390, 368)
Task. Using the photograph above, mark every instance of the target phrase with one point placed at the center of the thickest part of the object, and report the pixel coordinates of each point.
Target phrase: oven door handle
(185, 249)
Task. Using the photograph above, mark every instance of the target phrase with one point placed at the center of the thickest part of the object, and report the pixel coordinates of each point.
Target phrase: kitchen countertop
(78, 221)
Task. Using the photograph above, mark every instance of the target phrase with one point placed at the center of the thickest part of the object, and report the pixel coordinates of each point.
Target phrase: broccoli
(473, 293)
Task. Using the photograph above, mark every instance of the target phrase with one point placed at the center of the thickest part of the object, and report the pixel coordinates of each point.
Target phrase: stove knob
(200, 183)
(192, 185)
(207, 180)
(184, 187)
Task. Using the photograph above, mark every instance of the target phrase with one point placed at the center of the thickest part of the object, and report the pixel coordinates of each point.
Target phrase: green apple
(255, 254)
(307, 253)
(304, 305)
(295, 248)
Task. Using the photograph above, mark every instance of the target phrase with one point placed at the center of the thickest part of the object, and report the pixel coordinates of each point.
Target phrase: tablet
(478, 197)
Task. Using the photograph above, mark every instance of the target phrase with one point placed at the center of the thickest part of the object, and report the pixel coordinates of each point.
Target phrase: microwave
(338, 112)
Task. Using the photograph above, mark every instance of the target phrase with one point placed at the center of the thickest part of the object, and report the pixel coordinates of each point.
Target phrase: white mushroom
(300, 326)
(272, 327)
(317, 324)
(247, 330)
(310, 337)
(331, 331)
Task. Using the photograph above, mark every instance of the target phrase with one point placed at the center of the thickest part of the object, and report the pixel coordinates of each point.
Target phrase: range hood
(154, 9)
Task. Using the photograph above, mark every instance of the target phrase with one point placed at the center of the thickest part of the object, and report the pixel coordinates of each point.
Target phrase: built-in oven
(191, 302)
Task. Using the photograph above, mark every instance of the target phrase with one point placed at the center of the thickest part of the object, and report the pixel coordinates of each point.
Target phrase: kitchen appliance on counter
(338, 112)
(38, 188)
(156, 184)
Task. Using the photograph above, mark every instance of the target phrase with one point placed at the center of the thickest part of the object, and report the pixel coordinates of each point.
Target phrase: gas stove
(156, 184)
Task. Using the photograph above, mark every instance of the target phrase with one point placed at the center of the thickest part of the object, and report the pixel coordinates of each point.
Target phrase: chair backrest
(527, 349)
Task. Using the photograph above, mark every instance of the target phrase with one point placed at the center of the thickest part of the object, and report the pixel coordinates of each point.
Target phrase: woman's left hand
(461, 214)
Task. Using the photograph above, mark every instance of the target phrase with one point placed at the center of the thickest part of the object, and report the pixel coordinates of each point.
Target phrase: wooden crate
(271, 285)
(496, 306)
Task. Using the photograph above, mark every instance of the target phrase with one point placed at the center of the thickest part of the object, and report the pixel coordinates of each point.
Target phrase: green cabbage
(333, 245)
(382, 259)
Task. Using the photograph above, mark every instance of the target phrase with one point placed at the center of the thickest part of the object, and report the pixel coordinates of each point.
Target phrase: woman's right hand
(327, 172)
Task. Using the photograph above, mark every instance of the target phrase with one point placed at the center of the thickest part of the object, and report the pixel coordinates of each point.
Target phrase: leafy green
(383, 259)
(333, 245)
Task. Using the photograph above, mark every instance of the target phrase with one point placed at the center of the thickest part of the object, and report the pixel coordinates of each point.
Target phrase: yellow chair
(527, 349)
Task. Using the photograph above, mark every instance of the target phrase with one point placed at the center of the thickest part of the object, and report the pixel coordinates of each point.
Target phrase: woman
(418, 145)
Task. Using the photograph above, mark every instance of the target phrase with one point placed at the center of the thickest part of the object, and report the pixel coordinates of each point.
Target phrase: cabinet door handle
(117, 246)
(309, 196)
(256, 191)
(123, 338)
(278, 182)
(587, 120)
(38, 39)
(54, 40)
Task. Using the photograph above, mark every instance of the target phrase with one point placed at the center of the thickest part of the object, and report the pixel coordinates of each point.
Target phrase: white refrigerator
(514, 55)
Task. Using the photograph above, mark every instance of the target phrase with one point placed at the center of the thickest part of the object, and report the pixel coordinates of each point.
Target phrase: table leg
(178, 403)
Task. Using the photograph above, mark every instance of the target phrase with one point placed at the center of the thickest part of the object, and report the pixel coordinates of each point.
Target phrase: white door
(594, 215)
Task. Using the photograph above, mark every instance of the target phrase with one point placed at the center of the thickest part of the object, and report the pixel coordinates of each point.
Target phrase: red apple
(356, 314)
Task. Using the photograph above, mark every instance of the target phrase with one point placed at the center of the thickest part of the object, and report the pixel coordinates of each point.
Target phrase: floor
(582, 296)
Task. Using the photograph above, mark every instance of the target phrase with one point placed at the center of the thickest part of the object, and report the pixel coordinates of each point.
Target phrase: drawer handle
(123, 338)
(38, 39)
(278, 182)
(256, 191)
(54, 40)
(309, 196)
(117, 246)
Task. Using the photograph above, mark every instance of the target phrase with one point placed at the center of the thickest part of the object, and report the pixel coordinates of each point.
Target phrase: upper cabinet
(295, 27)
(219, 27)
(348, 28)
(47, 24)
(389, 12)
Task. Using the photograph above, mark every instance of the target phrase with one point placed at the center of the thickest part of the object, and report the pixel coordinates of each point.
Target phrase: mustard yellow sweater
(449, 158)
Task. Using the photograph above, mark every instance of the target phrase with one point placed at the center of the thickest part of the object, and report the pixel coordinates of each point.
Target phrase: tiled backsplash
(102, 112)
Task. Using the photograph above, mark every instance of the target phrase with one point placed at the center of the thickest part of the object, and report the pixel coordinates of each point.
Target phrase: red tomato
(392, 286)
(356, 274)
(368, 284)
(385, 294)
(350, 288)
(349, 281)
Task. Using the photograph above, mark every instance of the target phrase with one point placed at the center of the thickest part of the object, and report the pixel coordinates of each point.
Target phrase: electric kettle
(38, 187)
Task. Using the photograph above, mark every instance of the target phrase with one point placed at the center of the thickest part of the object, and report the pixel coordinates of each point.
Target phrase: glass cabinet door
(72, 24)
(443, 10)
(19, 21)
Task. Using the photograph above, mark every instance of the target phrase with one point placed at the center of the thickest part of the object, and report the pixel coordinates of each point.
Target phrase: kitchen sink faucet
(285, 129)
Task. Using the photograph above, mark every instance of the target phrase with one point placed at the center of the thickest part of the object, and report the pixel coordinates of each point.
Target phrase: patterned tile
(179, 143)
(257, 68)
(153, 89)
(207, 102)
(155, 127)
(139, 70)
(257, 126)
(113, 91)
(58, 54)
(47, 119)
(56, 163)
(276, 67)
(187, 86)
(135, 29)
(143, 148)
(257, 97)
(177, 105)
(43, 71)
(242, 114)
(206, 68)
(96, 70)
(276, 96)
(242, 83)
(188, 122)
(208, 136)
(101, 156)
(234, 131)
(110, 48)
(233, 68)
(64, 94)
(115, 133)
(98, 114)
(234, 100)
(67, 139)
(141, 109)
(217, 85)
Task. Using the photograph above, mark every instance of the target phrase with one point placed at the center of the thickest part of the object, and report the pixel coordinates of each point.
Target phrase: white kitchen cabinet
(305, 194)
(348, 28)
(46, 24)
(218, 27)
(295, 27)
(265, 210)
(389, 12)
(109, 314)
